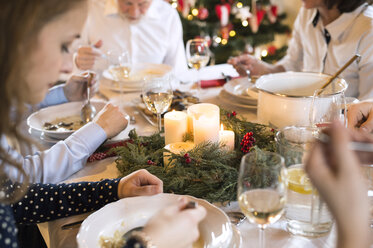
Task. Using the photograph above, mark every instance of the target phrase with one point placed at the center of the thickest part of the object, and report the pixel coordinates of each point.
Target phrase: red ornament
(274, 10)
(260, 15)
(271, 50)
(247, 142)
(223, 11)
(203, 13)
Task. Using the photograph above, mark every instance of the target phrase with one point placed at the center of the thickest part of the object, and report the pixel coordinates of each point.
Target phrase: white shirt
(156, 38)
(350, 33)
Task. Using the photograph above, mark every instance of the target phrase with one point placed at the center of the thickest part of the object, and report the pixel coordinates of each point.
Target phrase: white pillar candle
(206, 119)
(176, 148)
(175, 126)
(226, 138)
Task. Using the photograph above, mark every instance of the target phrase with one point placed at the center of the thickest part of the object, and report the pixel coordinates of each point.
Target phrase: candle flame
(221, 127)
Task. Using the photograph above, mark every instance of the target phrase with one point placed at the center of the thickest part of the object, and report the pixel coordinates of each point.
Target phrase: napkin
(104, 151)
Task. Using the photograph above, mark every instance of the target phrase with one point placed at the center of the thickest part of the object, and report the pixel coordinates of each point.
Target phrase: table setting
(208, 137)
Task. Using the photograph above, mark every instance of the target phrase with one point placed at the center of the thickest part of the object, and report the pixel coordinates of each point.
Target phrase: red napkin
(104, 150)
(215, 82)
(212, 83)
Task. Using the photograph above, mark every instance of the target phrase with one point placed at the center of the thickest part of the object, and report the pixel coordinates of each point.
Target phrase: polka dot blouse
(45, 202)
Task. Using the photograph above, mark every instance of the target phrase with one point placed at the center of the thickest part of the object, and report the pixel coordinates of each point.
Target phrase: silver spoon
(88, 111)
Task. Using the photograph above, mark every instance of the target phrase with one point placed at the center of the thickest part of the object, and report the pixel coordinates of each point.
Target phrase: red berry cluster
(234, 113)
(188, 160)
(149, 162)
(247, 142)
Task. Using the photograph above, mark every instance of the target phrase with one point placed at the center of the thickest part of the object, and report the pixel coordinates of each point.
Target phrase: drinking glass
(306, 213)
(119, 67)
(157, 95)
(261, 189)
(198, 55)
(327, 107)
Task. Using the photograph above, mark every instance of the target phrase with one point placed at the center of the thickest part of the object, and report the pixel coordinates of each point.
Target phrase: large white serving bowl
(49, 114)
(128, 213)
(285, 99)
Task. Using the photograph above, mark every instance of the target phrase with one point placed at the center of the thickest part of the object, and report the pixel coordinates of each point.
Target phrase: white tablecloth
(275, 235)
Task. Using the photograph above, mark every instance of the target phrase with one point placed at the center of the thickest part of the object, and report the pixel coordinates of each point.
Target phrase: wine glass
(198, 55)
(262, 188)
(119, 68)
(325, 108)
(157, 95)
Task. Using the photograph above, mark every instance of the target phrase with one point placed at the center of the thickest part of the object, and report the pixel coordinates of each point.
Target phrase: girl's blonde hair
(20, 24)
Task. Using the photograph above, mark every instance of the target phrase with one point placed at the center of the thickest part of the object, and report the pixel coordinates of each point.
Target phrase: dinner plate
(241, 88)
(138, 73)
(36, 120)
(128, 213)
(227, 99)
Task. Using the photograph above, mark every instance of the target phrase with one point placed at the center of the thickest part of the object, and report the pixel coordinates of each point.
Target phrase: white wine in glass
(261, 190)
(157, 95)
(198, 54)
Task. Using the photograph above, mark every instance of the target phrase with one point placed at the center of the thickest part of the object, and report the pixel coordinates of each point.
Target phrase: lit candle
(175, 126)
(176, 148)
(226, 138)
(206, 119)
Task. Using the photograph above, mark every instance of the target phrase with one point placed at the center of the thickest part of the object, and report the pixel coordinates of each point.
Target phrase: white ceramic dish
(241, 88)
(285, 98)
(132, 212)
(227, 99)
(138, 72)
(49, 114)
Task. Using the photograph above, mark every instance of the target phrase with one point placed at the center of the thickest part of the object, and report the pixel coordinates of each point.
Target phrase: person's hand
(139, 183)
(111, 120)
(175, 226)
(360, 115)
(335, 171)
(75, 88)
(246, 62)
(87, 55)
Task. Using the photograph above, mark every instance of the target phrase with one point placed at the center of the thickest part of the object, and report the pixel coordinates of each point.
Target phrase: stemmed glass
(262, 188)
(198, 54)
(327, 107)
(120, 68)
(157, 95)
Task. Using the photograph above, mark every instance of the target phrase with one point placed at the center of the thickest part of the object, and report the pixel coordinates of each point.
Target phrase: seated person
(326, 35)
(149, 30)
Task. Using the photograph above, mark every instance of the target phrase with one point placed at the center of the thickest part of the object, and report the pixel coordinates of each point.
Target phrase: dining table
(276, 234)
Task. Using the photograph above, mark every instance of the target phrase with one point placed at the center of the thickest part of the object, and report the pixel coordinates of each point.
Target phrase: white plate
(138, 72)
(132, 212)
(227, 99)
(49, 114)
(241, 88)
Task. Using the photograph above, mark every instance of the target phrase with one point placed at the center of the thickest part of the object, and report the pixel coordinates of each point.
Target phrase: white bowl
(137, 74)
(36, 120)
(128, 213)
(285, 98)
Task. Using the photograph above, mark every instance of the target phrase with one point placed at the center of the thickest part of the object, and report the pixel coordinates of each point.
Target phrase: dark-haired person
(34, 37)
(327, 33)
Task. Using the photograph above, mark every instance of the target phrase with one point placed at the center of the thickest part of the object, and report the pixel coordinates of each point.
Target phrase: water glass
(306, 213)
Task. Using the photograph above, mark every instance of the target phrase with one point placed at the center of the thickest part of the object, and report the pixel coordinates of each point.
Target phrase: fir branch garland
(211, 173)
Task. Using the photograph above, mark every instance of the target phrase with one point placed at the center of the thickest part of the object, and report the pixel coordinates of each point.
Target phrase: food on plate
(70, 123)
(120, 72)
(115, 241)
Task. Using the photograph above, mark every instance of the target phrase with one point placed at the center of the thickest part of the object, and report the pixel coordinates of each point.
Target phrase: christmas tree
(233, 26)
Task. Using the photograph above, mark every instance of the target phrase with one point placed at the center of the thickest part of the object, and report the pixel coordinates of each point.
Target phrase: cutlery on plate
(88, 111)
(236, 217)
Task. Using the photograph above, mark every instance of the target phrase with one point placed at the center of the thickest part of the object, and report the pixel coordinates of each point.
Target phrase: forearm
(46, 202)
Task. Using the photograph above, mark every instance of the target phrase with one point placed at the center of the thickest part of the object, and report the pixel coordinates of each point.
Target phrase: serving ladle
(88, 111)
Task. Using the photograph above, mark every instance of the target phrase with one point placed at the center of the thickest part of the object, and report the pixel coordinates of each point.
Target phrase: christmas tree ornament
(271, 12)
(223, 11)
(203, 13)
(271, 50)
(242, 13)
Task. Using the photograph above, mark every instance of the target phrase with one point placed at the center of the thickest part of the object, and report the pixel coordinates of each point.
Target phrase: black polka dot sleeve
(45, 202)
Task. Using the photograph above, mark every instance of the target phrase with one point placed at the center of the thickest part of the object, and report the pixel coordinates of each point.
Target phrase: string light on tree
(224, 41)
(195, 12)
(264, 53)
(245, 23)
(174, 4)
(232, 33)
(190, 17)
(218, 39)
(239, 5)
